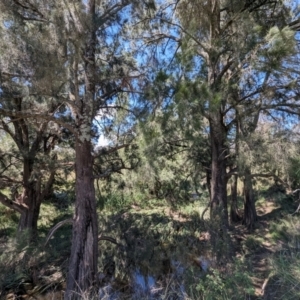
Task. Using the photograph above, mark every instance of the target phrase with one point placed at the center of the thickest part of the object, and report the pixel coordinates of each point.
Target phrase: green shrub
(230, 284)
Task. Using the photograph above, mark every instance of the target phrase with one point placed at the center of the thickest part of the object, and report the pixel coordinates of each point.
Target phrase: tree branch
(12, 204)
(104, 150)
(38, 116)
(70, 221)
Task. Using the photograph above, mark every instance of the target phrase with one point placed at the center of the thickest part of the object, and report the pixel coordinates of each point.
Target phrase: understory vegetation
(150, 250)
(149, 149)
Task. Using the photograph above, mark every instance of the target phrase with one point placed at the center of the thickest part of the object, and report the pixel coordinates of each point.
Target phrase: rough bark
(28, 205)
(31, 201)
(83, 260)
(218, 134)
(250, 216)
(218, 169)
(84, 251)
(220, 240)
(234, 213)
(29, 216)
(208, 179)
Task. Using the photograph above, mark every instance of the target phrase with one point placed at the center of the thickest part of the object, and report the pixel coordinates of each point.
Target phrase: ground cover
(149, 250)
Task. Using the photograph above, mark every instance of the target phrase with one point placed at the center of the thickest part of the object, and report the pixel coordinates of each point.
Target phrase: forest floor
(270, 248)
(160, 252)
(260, 246)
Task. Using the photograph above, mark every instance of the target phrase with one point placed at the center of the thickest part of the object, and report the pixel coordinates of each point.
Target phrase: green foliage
(285, 276)
(30, 269)
(234, 284)
(158, 242)
(287, 231)
(227, 63)
(63, 196)
(252, 244)
(114, 201)
(152, 240)
(281, 42)
(161, 77)
(8, 222)
(284, 282)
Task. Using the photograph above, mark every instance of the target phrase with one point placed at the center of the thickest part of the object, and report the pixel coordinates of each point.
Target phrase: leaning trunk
(83, 260)
(250, 216)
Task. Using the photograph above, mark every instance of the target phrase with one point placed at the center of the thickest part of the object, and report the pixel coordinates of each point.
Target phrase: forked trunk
(31, 203)
(250, 216)
(83, 260)
(234, 213)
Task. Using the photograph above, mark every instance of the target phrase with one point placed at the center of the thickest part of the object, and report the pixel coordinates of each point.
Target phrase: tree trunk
(218, 132)
(208, 180)
(220, 240)
(83, 260)
(250, 216)
(31, 202)
(234, 214)
(84, 252)
(218, 170)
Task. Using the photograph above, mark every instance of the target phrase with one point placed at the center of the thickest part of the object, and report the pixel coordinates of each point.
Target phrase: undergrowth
(158, 252)
(284, 281)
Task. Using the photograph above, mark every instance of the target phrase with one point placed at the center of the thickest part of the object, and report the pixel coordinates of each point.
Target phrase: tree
(226, 55)
(23, 88)
(95, 70)
(102, 80)
(28, 167)
(235, 55)
(272, 88)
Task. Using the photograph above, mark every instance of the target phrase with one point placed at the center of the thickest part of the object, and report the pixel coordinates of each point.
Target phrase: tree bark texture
(250, 216)
(220, 240)
(83, 260)
(218, 169)
(234, 214)
(218, 133)
(31, 203)
(84, 251)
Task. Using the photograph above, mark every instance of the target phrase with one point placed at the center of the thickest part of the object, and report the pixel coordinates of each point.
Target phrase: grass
(284, 279)
(163, 252)
(33, 269)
